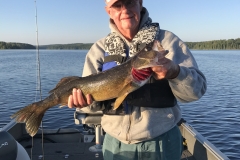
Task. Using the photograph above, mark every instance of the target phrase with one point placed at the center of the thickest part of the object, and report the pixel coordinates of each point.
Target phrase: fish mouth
(144, 63)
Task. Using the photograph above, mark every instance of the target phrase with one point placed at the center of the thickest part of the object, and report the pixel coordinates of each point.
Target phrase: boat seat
(10, 149)
(84, 116)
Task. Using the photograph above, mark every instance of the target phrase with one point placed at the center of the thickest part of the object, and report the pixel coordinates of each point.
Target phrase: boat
(86, 143)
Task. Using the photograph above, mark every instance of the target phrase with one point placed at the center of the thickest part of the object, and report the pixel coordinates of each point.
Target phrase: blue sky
(79, 21)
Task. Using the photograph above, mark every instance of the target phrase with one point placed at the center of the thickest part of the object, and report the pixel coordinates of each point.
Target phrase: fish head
(144, 60)
(148, 56)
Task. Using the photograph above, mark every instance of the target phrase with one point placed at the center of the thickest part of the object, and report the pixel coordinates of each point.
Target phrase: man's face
(125, 14)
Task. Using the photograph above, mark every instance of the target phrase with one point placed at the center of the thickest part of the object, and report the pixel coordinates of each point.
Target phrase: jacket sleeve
(93, 64)
(94, 59)
(190, 85)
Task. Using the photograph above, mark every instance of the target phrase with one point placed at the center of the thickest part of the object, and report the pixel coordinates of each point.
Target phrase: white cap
(109, 3)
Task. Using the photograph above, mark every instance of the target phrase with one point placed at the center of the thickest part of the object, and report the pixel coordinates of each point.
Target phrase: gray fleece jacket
(144, 123)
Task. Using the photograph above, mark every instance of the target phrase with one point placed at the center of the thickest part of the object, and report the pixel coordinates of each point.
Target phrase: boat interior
(86, 144)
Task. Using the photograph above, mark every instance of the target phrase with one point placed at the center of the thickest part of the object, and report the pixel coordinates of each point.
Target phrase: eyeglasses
(118, 6)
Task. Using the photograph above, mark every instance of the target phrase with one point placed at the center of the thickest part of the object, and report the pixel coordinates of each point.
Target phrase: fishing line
(38, 77)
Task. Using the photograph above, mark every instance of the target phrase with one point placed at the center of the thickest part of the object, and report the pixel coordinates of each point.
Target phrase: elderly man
(145, 126)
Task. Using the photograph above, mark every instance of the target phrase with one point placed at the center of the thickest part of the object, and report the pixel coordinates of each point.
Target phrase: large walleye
(117, 83)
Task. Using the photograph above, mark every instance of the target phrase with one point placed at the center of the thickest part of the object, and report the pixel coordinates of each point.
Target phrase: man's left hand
(167, 69)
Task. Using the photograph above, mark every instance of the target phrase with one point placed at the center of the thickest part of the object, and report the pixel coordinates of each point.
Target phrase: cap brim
(109, 4)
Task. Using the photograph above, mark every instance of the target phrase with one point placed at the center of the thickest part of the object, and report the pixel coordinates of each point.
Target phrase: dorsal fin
(64, 81)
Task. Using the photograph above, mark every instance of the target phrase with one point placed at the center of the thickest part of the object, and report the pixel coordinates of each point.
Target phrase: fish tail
(31, 115)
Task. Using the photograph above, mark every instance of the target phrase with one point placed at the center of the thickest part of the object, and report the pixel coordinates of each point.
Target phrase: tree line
(13, 45)
(72, 46)
(205, 45)
(215, 44)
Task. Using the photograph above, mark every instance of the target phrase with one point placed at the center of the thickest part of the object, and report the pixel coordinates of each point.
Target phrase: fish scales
(108, 84)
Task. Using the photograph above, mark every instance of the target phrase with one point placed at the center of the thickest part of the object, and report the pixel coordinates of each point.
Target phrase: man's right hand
(78, 100)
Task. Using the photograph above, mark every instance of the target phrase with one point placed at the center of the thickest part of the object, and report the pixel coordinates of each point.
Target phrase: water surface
(216, 115)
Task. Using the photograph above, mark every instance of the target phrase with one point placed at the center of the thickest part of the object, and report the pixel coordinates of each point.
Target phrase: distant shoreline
(230, 44)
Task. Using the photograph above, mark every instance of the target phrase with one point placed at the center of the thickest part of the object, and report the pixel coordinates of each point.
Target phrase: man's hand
(166, 69)
(78, 100)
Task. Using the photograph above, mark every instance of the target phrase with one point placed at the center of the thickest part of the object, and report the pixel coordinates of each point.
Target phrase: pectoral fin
(130, 87)
(119, 100)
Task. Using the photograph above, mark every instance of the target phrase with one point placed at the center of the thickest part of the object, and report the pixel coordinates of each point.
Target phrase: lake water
(216, 115)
